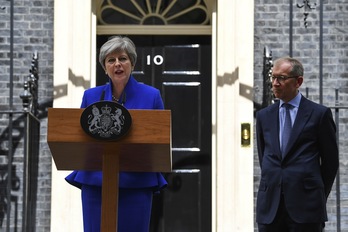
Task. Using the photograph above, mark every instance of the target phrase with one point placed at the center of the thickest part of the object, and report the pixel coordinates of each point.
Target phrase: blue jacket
(135, 96)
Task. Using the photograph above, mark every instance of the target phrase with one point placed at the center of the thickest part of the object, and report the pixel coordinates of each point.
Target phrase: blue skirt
(134, 209)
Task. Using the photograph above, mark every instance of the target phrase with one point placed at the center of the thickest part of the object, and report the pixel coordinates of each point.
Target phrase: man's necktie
(287, 127)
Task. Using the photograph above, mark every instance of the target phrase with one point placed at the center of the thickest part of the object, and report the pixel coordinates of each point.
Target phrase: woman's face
(118, 67)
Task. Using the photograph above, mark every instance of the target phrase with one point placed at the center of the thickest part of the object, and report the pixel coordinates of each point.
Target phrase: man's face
(285, 86)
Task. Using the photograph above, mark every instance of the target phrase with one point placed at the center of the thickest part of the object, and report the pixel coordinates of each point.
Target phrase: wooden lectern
(145, 148)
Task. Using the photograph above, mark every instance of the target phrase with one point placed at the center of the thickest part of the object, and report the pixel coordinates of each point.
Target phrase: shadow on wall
(78, 81)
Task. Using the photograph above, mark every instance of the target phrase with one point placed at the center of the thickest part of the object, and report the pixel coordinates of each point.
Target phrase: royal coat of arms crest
(106, 120)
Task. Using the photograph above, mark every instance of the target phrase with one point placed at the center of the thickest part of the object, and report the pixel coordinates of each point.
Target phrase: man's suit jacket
(306, 173)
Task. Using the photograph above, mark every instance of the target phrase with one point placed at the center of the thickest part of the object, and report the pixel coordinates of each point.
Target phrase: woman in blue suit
(118, 57)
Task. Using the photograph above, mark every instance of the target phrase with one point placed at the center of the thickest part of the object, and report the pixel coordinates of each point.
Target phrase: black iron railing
(20, 131)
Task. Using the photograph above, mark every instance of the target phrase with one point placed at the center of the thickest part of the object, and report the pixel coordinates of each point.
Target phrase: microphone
(102, 96)
(123, 98)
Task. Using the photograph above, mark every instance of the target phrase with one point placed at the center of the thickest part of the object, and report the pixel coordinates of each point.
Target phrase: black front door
(180, 67)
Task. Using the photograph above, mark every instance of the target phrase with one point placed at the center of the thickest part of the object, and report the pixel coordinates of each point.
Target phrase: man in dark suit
(296, 177)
